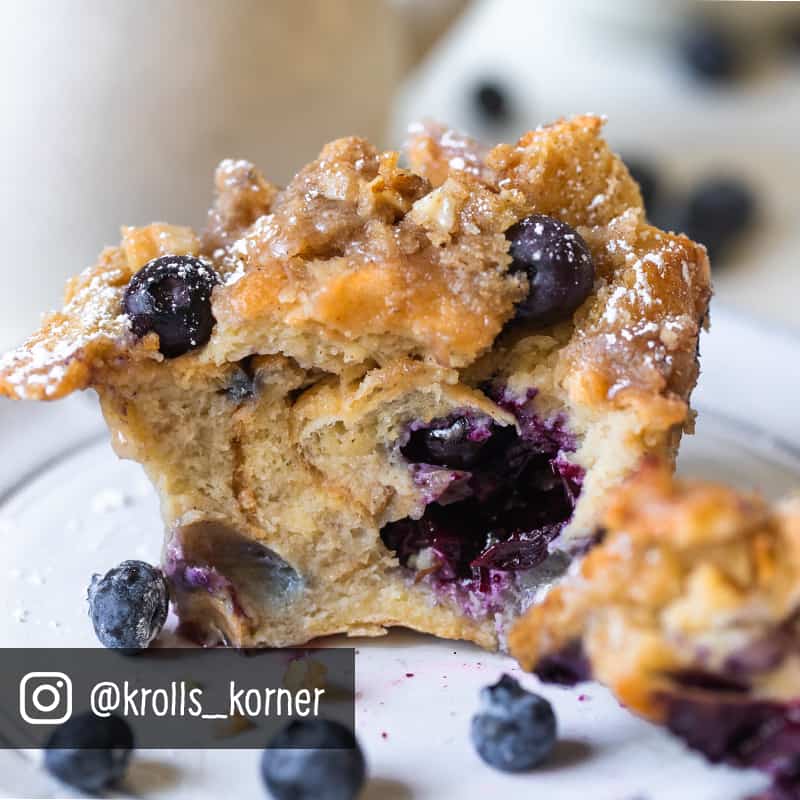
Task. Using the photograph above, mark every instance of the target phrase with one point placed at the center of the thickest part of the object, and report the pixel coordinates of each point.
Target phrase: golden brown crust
(690, 577)
(365, 256)
(242, 196)
(362, 261)
(436, 152)
(633, 341)
(633, 345)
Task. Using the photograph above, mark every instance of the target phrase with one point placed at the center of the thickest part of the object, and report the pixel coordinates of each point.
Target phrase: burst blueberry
(496, 495)
(88, 752)
(515, 730)
(314, 760)
(558, 265)
(128, 605)
(454, 443)
(171, 296)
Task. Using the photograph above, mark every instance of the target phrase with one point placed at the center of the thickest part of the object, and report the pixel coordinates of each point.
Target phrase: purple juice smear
(496, 496)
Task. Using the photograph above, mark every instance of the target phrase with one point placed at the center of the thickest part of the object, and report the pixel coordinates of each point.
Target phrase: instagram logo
(45, 698)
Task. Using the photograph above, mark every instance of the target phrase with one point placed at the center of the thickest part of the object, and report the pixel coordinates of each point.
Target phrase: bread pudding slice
(689, 611)
(385, 396)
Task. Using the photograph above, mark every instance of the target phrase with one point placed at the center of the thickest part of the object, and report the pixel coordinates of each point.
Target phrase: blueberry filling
(716, 715)
(458, 443)
(765, 653)
(703, 680)
(566, 667)
(740, 732)
(496, 495)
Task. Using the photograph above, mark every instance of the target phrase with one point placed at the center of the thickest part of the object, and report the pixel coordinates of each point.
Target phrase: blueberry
(314, 760)
(128, 605)
(241, 386)
(558, 264)
(491, 101)
(718, 210)
(171, 296)
(710, 54)
(515, 730)
(456, 445)
(646, 176)
(89, 752)
(565, 667)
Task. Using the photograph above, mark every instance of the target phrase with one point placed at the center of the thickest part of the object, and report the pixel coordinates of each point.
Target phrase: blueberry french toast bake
(386, 396)
(697, 585)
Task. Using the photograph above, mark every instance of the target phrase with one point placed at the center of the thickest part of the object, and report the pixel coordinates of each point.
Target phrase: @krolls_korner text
(184, 699)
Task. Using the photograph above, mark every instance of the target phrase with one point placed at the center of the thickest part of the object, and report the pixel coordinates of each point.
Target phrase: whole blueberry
(646, 175)
(515, 730)
(491, 101)
(128, 605)
(709, 54)
(171, 296)
(718, 210)
(314, 759)
(558, 265)
(89, 752)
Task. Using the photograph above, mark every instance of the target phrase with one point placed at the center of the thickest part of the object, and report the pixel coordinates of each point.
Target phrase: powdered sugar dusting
(597, 200)
(39, 366)
(461, 153)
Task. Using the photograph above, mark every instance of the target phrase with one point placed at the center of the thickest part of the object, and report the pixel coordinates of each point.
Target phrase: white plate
(69, 507)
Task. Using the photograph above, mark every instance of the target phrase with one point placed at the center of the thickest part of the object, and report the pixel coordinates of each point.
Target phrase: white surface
(562, 57)
(77, 509)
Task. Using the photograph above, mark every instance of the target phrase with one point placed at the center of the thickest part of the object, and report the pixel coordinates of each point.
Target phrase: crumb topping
(359, 261)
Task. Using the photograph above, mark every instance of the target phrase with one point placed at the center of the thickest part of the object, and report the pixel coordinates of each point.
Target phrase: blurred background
(117, 112)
